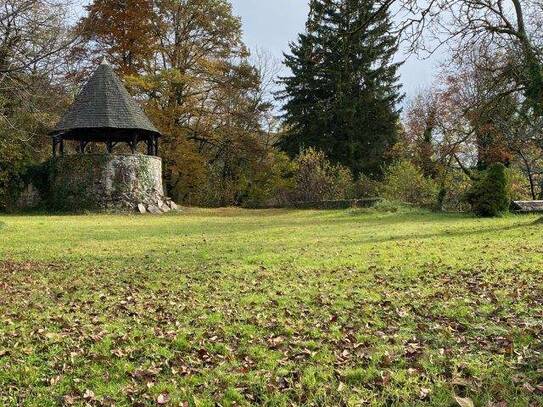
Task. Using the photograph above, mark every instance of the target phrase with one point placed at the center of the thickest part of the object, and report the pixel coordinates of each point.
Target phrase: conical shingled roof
(104, 103)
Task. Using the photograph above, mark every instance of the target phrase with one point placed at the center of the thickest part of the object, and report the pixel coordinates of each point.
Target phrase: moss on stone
(104, 181)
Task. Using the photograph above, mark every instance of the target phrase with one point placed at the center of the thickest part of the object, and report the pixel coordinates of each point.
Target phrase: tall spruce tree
(343, 93)
(304, 94)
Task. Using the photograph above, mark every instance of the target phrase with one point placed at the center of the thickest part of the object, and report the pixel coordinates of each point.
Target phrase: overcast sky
(272, 24)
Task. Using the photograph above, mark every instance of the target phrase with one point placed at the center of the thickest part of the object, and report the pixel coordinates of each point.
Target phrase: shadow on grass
(262, 221)
(235, 212)
(200, 255)
(444, 234)
(230, 252)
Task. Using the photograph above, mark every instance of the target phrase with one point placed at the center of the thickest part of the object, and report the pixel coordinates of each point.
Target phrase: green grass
(273, 307)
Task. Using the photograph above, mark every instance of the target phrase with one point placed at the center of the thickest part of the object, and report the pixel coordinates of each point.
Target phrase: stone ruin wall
(108, 182)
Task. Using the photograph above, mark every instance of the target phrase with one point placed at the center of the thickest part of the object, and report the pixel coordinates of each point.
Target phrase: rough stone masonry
(108, 182)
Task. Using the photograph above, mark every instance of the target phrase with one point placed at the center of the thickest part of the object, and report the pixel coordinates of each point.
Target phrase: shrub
(366, 187)
(404, 182)
(490, 194)
(260, 182)
(454, 186)
(13, 161)
(387, 206)
(185, 171)
(384, 206)
(519, 184)
(317, 179)
(218, 190)
(270, 183)
(14, 184)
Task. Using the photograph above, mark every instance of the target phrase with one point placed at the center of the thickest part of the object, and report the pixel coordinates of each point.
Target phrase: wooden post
(54, 141)
(133, 144)
(61, 146)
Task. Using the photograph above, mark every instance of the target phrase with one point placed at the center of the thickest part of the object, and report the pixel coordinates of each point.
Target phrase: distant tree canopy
(342, 96)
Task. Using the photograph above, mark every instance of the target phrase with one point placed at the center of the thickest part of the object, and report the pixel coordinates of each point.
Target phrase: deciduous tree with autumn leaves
(187, 63)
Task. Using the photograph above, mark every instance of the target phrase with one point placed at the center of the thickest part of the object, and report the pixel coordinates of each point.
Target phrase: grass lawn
(273, 307)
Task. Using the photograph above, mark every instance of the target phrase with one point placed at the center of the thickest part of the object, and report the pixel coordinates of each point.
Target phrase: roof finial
(104, 61)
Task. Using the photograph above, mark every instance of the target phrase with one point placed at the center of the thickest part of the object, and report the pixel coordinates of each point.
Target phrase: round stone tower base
(108, 182)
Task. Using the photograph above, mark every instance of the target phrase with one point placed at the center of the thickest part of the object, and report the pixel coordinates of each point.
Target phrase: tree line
(341, 132)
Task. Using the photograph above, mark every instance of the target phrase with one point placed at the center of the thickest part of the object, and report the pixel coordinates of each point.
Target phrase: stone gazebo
(104, 118)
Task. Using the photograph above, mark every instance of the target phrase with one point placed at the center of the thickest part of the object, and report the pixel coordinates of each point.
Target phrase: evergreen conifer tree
(304, 94)
(343, 93)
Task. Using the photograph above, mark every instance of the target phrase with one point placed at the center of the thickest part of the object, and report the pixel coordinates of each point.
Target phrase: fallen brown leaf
(464, 401)
(163, 398)
(424, 393)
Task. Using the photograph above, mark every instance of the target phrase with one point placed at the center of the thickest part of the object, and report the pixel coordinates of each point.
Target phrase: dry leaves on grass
(464, 401)
(163, 398)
